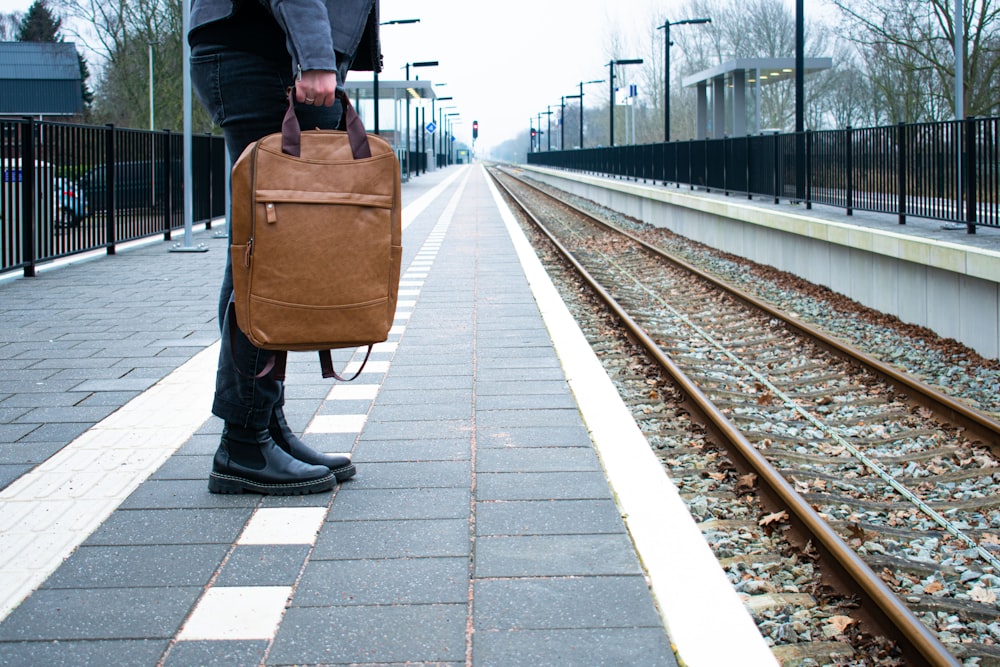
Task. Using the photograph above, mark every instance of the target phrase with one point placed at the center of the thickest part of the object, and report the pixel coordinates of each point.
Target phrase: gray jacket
(314, 29)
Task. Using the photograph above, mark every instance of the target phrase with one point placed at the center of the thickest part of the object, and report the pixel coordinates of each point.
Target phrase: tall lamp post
(540, 114)
(666, 68)
(152, 114)
(375, 95)
(582, 83)
(425, 63)
(562, 120)
(437, 133)
(611, 68)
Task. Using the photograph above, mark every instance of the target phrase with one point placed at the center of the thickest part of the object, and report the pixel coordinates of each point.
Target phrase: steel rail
(917, 642)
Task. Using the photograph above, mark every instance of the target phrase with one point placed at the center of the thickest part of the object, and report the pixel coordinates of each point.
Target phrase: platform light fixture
(611, 68)
(375, 95)
(666, 68)
(582, 84)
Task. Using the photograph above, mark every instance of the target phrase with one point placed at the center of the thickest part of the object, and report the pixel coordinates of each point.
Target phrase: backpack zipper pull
(246, 258)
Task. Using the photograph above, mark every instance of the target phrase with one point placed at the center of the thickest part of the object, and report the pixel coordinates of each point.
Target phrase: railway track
(799, 456)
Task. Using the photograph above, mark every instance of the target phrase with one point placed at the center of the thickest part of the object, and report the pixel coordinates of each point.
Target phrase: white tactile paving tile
(236, 612)
(283, 525)
(52, 509)
(337, 424)
(353, 392)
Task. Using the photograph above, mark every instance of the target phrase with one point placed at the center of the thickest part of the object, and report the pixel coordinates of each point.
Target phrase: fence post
(850, 170)
(970, 175)
(168, 187)
(777, 167)
(901, 171)
(110, 196)
(749, 168)
(725, 165)
(809, 169)
(28, 197)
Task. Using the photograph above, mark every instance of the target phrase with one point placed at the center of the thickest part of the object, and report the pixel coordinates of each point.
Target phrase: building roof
(771, 69)
(40, 79)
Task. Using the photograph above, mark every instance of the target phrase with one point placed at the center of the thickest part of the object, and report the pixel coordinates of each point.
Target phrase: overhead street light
(424, 63)
(582, 84)
(376, 66)
(666, 68)
(562, 119)
(611, 67)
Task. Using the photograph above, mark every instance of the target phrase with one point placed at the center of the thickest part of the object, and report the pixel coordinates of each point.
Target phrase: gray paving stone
(188, 526)
(33, 453)
(547, 517)
(9, 472)
(577, 602)
(554, 556)
(418, 383)
(461, 410)
(526, 401)
(610, 647)
(338, 407)
(124, 384)
(393, 539)
(424, 396)
(14, 432)
(66, 432)
(263, 565)
(138, 566)
(533, 436)
(487, 388)
(420, 430)
(377, 634)
(502, 373)
(185, 467)
(113, 398)
(536, 459)
(200, 444)
(216, 654)
(429, 371)
(424, 450)
(102, 613)
(122, 653)
(53, 415)
(395, 581)
(542, 486)
(183, 493)
(389, 504)
(414, 474)
(491, 419)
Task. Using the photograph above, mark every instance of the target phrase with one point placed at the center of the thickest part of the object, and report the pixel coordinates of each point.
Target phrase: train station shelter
(405, 108)
(40, 79)
(731, 82)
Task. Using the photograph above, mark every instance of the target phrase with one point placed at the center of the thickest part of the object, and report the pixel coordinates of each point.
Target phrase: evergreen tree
(39, 25)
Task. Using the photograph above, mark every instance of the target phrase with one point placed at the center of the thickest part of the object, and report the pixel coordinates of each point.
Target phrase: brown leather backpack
(316, 238)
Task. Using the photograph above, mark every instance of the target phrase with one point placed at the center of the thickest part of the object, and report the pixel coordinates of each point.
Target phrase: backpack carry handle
(291, 132)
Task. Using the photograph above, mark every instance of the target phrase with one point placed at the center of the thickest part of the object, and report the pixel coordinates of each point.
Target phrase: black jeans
(245, 94)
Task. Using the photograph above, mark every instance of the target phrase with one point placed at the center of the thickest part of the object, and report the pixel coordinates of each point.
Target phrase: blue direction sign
(431, 126)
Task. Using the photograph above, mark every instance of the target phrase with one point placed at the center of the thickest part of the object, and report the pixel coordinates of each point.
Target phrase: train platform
(506, 510)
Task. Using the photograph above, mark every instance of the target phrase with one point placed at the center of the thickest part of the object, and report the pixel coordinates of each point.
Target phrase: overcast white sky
(506, 61)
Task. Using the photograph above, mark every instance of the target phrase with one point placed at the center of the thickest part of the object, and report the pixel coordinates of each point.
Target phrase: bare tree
(913, 42)
(9, 25)
(121, 32)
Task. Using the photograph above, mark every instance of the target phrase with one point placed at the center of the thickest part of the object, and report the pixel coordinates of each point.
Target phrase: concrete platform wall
(953, 290)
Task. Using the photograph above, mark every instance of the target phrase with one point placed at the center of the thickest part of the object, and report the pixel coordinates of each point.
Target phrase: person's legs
(246, 95)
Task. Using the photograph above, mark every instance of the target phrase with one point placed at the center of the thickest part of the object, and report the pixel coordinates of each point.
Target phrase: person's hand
(316, 87)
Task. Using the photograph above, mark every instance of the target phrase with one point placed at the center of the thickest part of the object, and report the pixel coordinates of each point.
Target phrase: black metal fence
(946, 171)
(94, 187)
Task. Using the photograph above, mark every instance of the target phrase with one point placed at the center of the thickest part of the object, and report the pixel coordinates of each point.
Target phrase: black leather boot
(285, 438)
(249, 461)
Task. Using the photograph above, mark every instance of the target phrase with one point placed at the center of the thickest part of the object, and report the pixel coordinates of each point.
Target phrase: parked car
(71, 202)
(137, 184)
(56, 198)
